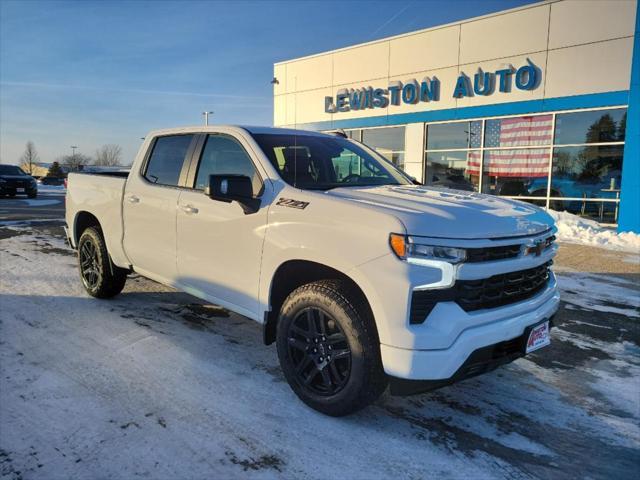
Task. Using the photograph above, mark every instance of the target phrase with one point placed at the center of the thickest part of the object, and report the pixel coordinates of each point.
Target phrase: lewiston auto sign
(527, 77)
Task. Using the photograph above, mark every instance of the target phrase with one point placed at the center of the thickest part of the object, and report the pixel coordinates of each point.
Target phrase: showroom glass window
(387, 141)
(587, 163)
(567, 161)
(452, 159)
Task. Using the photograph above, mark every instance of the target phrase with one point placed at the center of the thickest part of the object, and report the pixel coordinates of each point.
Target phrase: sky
(89, 73)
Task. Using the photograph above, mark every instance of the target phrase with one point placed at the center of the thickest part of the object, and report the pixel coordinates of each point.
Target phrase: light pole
(73, 150)
(206, 117)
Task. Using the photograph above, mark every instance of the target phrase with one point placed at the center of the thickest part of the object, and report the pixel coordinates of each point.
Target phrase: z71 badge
(291, 203)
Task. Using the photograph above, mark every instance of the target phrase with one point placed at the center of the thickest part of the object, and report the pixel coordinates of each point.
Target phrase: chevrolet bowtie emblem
(535, 248)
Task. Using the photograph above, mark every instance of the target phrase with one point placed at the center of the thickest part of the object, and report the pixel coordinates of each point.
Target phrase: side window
(224, 155)
(167, 159)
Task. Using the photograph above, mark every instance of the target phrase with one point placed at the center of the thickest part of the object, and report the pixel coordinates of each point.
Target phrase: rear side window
(167, 158)
(223, 155)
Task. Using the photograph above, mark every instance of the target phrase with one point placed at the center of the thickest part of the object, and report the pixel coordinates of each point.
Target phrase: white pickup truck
(361, 277)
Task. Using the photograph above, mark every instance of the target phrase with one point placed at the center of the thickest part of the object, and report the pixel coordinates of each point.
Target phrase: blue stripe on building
(593, 100)
(629, 216)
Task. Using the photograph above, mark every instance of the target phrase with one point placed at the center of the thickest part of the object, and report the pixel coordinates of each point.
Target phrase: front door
(149, 208)
(219, 246)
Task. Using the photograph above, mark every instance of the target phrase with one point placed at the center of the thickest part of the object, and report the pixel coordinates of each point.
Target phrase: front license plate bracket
(537, 336)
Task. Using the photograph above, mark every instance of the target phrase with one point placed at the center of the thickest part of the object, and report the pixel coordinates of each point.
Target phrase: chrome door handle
(189, 209)
(133, 199)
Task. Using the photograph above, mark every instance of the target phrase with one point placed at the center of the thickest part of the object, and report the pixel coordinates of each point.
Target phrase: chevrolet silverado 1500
(362, 278)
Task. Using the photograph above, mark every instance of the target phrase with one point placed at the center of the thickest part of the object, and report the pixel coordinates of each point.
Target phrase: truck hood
(446, 213)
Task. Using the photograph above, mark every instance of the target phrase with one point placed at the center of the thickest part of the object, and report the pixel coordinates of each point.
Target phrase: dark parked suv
(13, 181)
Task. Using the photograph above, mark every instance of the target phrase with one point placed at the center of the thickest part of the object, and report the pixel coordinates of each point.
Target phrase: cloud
(400, 12)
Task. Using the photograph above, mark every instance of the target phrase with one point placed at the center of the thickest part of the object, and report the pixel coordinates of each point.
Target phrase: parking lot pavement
(156, 384)
(49, 204)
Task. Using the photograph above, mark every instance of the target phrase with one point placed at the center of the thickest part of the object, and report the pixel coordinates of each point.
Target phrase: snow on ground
(575, 229)
(52, 189)
(39, 203)
(155, 384)
(590, 292)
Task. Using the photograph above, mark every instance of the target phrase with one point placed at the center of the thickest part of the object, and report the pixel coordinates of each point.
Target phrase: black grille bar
(492, 292)
(489, 254)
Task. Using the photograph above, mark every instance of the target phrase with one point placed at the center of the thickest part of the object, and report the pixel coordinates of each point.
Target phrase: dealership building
(539, 103)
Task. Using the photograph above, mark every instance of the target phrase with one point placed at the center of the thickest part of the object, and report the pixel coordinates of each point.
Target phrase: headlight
(413, 251)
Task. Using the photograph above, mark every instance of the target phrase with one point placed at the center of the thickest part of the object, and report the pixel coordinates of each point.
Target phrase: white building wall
(581, 46)
(414, 149)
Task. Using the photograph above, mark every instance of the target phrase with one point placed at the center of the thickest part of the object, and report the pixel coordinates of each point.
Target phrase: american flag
(515, 132)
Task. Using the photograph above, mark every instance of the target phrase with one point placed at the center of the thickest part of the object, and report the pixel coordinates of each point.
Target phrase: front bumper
(482, 360)
(509, 322)
(10, 188)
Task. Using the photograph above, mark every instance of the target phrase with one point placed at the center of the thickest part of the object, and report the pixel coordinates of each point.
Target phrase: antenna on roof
(339, 133)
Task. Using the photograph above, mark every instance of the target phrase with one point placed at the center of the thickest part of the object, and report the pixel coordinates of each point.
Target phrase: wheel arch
(291, 275)
(82, 221)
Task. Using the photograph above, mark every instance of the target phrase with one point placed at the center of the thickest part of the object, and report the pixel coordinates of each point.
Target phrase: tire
(326, 318)
(100, 278)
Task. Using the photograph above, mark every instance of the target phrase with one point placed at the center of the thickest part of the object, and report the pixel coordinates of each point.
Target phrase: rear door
(219, 246)
(149, 207)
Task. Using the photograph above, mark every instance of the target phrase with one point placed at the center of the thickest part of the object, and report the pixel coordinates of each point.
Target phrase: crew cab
(361, 277)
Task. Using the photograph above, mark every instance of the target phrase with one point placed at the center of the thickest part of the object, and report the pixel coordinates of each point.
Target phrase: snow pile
(574, 229)
(52, 189)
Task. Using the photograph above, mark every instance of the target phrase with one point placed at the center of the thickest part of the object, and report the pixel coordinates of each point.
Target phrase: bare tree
(75, 161)
(55, 171)
(29, 158)
(108, 155)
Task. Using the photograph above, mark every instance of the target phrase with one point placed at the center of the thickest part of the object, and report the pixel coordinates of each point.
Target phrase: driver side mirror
(230, 188)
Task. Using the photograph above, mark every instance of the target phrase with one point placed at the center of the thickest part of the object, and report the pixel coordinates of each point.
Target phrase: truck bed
(99, 194)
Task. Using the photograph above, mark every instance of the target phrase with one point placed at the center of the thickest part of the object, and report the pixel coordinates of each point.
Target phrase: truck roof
(231, 128)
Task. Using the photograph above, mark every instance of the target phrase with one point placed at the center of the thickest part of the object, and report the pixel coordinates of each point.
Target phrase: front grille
(489, 254)
(492, 292)
(502, 289)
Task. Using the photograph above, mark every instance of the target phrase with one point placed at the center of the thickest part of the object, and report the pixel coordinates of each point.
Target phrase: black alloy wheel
(91, 267)
(100, 277)
(328, 347)
(319, 352)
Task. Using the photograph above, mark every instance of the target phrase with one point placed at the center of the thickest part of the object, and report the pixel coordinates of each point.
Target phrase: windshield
(10, 170)
(321, 163)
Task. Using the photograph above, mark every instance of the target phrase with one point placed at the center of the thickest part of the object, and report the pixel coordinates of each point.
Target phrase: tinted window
(167, 158)
(454, 135)
(322, 163)
(224, 155)
(519, 131)
(591, 127)
(10, 170)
